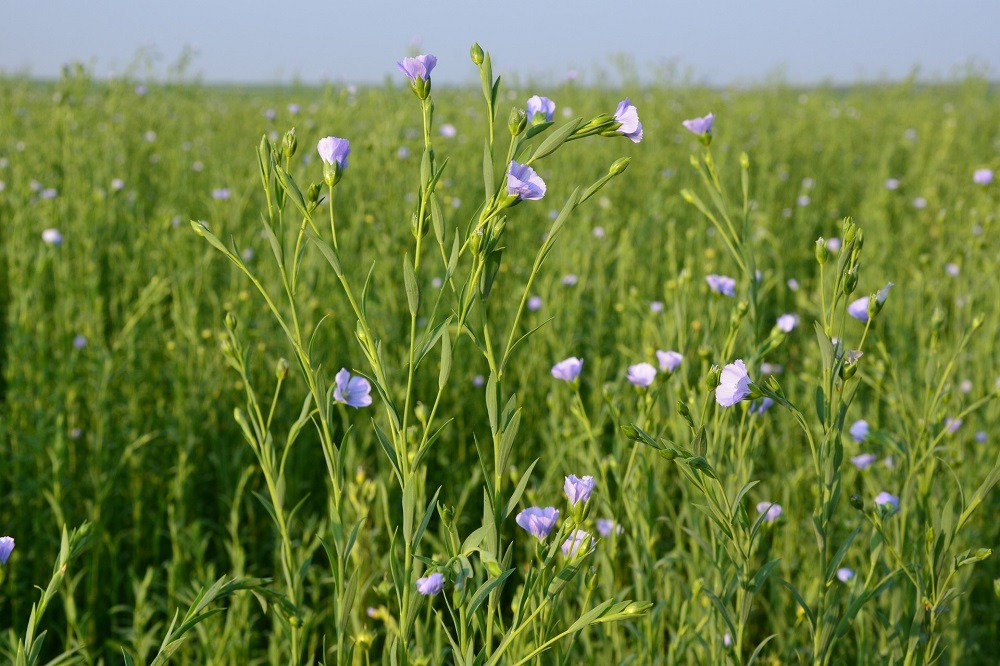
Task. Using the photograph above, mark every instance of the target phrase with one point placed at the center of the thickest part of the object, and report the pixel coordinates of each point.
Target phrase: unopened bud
(592, 579)
(822, 251)
(289, 144)
(312, 194)
(517, 121)
(685, 412)
(744, 161)
(231, 322)
(477, 54)
(637, 607)
(619, 166)
(281, 369)
(851, 281)
(631, 432)
(712, 378)
(857, 502)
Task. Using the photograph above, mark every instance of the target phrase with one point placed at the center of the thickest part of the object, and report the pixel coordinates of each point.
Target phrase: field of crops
(567, 397)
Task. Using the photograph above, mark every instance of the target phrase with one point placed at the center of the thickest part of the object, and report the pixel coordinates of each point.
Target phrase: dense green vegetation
(119, 378)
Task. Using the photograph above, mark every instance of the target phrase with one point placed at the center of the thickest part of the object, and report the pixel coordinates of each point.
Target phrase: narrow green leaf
(428, 512)
(556, 139)
(410, 283)
(802, 603)
(445, 358)
(519, 490)
(484, 590)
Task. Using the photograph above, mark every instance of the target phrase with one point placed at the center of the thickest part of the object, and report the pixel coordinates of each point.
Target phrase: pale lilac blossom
(334, 151)
(884, 498)
(6, 547)
(448, 131)
(981, 437)
(859, 430)
(722, 284)
(79, 342)
(605, 527)
(769, 510)
(431, 585)
(701, 125)
(656, 307)
(982, 176)
(641, 374)
(844, 574)
(834, 244)
(538, 522)
(417, 68)
(535, 303)
(761, 406)
(920, 203)
(52, 237)
(734, 384)
(578, 540)
(570, 279)
(568, 369)
(628, 116)
(864, 460)
(221, 193)
(353, 391)
(892, 184)
(541, 108)
(578, 489)
(788, 322)
(669, 360)
(523, 182)
(952, 425)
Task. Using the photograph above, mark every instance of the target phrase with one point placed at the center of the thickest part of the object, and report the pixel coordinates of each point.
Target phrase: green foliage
(295, 532)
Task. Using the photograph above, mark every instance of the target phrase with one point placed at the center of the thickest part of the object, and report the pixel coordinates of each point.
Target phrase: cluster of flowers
(539, 523)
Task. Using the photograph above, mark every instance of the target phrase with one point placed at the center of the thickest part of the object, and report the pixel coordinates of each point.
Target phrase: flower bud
(289, 144)
(312, 194)
(850, 231)
(517, 121)
(712, 378)
(281, 369)
(619, 166)
(231, 322)
(822, 252)
(857, 502)
(637, 607)
(477, 54)
(667, 454)
(744, 161)
(685, 412)
(592, 579)
(983, 553)
(977, 322)
(447, 514)
(850, 281)
(631, 432)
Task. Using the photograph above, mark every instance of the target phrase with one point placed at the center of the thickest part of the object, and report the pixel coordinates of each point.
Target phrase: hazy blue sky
(718, 42)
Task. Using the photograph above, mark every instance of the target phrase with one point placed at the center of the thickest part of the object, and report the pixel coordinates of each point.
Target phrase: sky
(721, 43)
